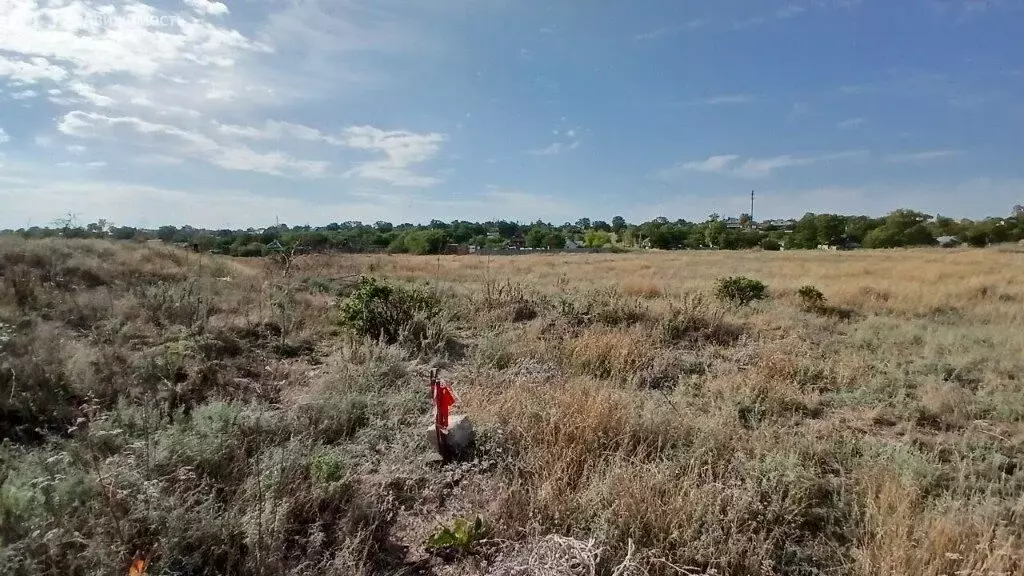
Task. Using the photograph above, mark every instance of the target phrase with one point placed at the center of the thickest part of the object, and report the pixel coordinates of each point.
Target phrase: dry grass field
(220, 416)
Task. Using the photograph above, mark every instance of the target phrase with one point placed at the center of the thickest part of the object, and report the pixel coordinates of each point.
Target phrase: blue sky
(313, 111)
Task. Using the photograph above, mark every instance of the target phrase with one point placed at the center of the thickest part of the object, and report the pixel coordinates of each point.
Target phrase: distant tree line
(901, 228)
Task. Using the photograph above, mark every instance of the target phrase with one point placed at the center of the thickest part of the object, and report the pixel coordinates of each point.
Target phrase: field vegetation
(732, 413)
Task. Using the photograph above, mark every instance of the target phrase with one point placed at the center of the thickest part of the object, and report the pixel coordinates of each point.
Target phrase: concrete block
(458, 438)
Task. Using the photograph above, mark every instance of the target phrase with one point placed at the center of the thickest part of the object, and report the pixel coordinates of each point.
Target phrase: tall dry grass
(215, 415)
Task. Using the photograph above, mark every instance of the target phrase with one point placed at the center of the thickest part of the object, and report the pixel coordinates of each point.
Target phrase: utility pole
(751, 206)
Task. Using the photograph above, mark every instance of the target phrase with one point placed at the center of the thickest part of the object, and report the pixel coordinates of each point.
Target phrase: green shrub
(740, 290)
(426, 241)
(771, 244)
(811, 297)
(327, 467)
(379, 310)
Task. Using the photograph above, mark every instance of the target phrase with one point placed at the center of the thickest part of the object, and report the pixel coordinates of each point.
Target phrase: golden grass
(615, 400)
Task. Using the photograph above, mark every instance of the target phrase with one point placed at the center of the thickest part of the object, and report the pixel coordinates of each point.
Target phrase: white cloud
(90, 94)
(713, 164)
(207, 7)
(401, 149)
(134, 55)
(654, 34)
(4, 137)
(790, 11)
(158, 160)
(24, 94)
(96, 164)
(754, 168)
(722, 99)
(130, 37)
(763, 167)
(749, 23)
(569, 140)
(550, 150)
(851, 123)
(920, 157)
(30, 70)
(274, 130)
(75, 148)
(556, 148)
(185, 143)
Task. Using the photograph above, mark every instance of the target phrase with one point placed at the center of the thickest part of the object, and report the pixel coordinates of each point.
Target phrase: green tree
(426, 241)
(618, 224)
(123, 232)
(945, 226)
(917, 235)
(536, 237)
(714, 231)
(596, 238)
(831, 228)
(166, 233)
(904, 219)
(883, 237)
(806, 233)
(554, 240)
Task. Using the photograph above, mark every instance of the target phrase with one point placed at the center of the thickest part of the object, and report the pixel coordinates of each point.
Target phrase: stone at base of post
(456, 441)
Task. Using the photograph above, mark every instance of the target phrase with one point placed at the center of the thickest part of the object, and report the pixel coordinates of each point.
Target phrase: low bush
(811, 298)
(740, 291)
(384, 311)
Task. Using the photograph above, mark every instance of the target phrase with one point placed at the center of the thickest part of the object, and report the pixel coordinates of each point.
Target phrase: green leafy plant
(461, 537)
(740, 290)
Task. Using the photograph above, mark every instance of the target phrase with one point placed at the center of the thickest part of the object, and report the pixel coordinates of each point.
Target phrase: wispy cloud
(568, 139)
(4, 137)
(658, 33)
(851, 123)
(402, 149)
(790, 11)
(755, 168)
(185, 143)
(713, 164)
(793, 10)
(921, 157)
(554, 148)
(94, 164)
(749, 23)
(722, 99)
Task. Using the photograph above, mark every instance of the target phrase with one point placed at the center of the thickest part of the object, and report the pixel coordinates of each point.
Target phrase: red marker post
(443, 397)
